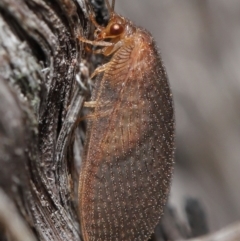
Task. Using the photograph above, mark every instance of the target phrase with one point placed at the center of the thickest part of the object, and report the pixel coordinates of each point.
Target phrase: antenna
(110, 8)
(113, 5)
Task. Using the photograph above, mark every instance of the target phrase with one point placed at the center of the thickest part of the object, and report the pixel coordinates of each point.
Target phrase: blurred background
(200, 45)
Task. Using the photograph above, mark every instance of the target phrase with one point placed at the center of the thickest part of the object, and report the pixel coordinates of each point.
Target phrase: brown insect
(128, 159)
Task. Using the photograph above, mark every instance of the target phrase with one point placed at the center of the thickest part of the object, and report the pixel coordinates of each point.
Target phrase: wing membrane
(128, 165)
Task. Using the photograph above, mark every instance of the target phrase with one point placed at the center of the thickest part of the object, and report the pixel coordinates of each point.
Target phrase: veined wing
(128, 165)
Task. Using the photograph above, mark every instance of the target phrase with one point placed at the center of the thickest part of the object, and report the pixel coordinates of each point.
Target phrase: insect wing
(128, 163)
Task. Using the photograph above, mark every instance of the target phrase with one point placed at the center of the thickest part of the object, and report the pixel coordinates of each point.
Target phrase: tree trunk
(40, 102)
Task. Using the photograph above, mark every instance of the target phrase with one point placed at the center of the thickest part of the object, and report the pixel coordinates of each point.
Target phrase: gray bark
(40, 102)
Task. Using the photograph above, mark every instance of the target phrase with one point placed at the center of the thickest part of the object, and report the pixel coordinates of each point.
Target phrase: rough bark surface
(40, 101)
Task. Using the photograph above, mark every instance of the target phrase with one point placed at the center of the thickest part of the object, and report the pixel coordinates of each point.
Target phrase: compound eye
(116, 29)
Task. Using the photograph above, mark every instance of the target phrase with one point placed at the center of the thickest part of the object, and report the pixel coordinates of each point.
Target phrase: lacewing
(128, 158)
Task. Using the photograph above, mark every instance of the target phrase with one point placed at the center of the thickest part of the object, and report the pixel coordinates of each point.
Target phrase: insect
(128, 157)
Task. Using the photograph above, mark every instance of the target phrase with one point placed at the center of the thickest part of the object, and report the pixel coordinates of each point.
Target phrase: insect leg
(99, 51)
(110, 50)
(94, 115)
(92, 18)
(95, 42)
(99, 70)
(90, 104)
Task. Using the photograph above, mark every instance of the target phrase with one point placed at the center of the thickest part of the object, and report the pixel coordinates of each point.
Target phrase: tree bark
(40, 102)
